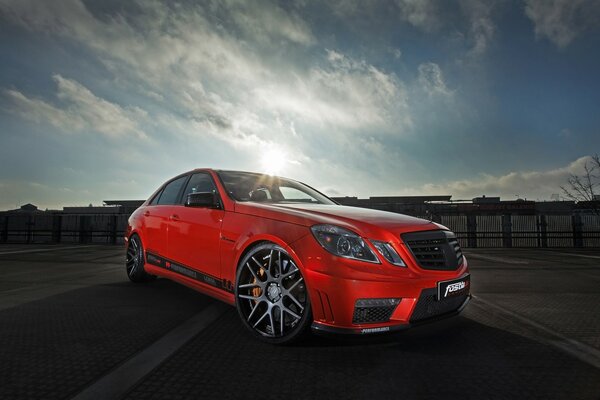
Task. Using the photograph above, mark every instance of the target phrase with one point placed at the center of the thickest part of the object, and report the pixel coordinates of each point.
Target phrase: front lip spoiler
(320, 328)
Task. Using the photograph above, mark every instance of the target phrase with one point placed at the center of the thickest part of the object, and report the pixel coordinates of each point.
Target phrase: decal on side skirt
(162, 262)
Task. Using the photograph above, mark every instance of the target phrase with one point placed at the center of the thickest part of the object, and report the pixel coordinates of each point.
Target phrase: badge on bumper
(454, 287)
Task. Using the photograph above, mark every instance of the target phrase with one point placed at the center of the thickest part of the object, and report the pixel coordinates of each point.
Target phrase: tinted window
(155, 198)
(171, 192)
(200, 182)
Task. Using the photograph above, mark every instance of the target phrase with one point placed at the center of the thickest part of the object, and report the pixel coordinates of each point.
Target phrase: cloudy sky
(107, 99)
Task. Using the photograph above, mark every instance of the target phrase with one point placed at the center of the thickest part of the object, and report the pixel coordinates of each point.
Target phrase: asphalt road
(72, 326)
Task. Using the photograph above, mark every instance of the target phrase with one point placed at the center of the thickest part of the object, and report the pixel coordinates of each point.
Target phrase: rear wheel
(271, 295)
(134, 262)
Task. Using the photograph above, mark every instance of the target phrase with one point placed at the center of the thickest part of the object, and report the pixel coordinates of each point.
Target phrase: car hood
(355, 218)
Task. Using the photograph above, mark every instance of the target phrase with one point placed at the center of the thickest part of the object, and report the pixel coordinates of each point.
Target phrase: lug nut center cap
(273, 292)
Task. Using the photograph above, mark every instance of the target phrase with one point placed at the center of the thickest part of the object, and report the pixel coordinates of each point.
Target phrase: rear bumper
(324, 328)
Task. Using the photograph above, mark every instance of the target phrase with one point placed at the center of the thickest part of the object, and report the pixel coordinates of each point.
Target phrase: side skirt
(188, 272)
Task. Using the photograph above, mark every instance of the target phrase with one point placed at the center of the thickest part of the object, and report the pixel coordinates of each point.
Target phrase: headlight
(388, 252)
(343, 243)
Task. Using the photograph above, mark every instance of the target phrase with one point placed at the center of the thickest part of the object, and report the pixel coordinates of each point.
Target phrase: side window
(200, 182)
(293, 194)
(154, 200)
(171, 191)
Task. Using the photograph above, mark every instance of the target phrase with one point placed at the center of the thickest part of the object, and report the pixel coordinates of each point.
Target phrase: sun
(273, 161)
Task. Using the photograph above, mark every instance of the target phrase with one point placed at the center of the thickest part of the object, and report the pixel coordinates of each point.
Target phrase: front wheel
(134, 262)
(271, 295)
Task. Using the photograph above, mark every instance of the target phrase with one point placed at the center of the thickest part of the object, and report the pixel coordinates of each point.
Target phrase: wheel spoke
(135, 259)
(261, 318)
(291, 296)
(293, 314)
(279, 263)
(252, 271)
(282, 320)
(245, 296)
(271, 319)
(295, 284)
(257, 263)
(253, 311)
(291, 264)
(270, 259)
(249, 285)
(270, 264)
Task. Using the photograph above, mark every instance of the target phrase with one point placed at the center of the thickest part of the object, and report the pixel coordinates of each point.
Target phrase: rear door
(156, 216)
(195, 233)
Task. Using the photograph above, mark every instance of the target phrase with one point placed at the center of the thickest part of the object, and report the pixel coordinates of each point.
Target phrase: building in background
(479, 222)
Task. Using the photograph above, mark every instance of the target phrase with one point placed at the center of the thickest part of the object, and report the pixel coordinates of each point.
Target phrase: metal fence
(32, 228)
(578, 230)
(525, 230)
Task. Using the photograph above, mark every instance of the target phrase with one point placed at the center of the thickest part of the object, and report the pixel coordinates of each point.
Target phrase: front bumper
(340, 290)
(320, 327)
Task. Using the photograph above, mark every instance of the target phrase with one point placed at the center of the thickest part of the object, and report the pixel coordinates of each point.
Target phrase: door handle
(146, 213)
(174, 217)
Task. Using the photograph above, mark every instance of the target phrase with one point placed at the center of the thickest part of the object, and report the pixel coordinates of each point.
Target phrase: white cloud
(79, 110)
(422, 14)
(209, 68)
(481, 25)
(395, 52)
(561, 21)
(432, 81)
(530, 184)
(344, 93)
(268, 22)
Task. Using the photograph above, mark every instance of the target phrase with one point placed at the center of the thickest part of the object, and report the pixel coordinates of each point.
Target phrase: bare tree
(586, 187)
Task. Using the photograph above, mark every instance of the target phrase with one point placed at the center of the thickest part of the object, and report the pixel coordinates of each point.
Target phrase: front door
(195, 233)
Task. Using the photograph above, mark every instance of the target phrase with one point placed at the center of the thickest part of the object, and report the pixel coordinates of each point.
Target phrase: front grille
(435, 250)
(428, 307)
(371, 311)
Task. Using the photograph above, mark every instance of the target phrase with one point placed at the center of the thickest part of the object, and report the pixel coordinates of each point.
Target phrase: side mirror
(202, 199)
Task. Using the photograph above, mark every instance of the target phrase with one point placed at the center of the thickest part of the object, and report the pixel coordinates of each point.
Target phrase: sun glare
(273, 161)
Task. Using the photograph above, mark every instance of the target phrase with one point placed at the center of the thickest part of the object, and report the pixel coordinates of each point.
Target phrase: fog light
(372, 311)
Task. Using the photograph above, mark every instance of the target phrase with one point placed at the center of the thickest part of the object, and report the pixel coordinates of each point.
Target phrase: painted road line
(581, 351)
(576, 255)
(43, 250)
(121, 379)
(497, 259)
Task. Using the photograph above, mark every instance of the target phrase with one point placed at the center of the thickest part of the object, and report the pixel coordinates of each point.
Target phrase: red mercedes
(290, 258)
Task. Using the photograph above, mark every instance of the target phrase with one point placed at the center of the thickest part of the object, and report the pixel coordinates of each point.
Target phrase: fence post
(577, 230)
(113, 229)
(506, 230)
(543, 231)
(56, 228)
(471, 231)
(84, 223)
(4, 237)
(29, 229)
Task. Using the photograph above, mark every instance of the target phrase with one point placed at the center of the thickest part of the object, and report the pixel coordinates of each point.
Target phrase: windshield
(246, 186)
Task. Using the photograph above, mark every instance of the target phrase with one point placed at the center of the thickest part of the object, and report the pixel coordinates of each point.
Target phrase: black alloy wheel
(134, 261)
(271, 295)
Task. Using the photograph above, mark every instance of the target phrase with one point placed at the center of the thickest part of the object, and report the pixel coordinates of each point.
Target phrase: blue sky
(104, 100)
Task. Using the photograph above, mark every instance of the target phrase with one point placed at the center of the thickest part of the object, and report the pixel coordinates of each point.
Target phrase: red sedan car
(290, 258)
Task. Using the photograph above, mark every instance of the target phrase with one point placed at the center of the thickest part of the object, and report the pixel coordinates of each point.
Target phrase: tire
(271, 295)
(134, 261)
